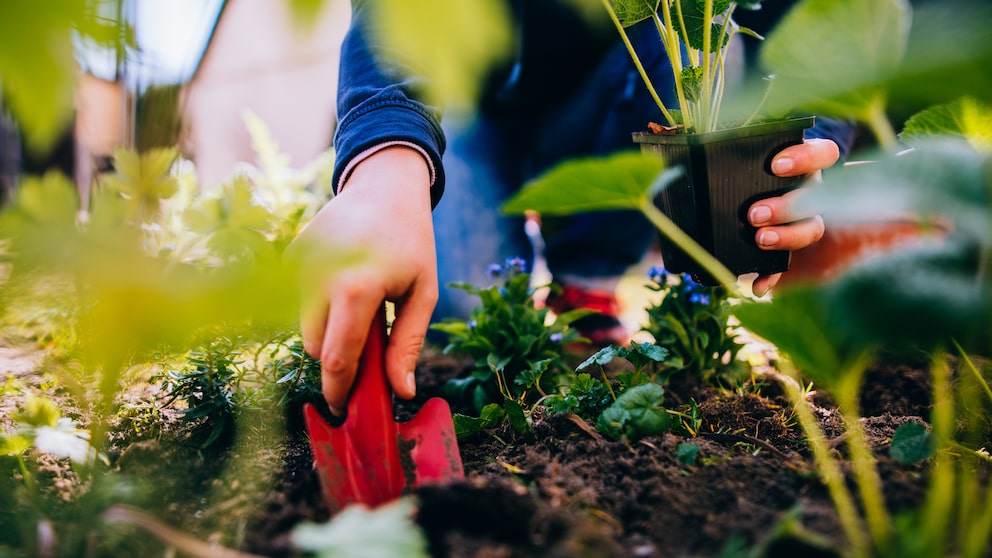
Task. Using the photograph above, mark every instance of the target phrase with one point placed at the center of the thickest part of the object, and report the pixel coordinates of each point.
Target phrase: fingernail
(411, 382)
(782, 165)
(768, 238)
(759, 215)
(336, 411)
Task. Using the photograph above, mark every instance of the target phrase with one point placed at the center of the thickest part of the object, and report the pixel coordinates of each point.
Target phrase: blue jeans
(488, 159)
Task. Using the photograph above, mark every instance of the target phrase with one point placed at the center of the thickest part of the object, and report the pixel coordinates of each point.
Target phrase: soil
(564, 491)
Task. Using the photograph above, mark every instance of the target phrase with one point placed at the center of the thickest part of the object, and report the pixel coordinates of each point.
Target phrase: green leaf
(450, 42)
(618, 181)
(692, 82)
(492, 415)
(41, 223)
(813, 333)
(38, 411)
(693, 12)
(37, 66)
(630, 12)
(686, 454)
(637, 412)
(144, 180)
(357, 532)
(834, 57)
(518, 420)
(640, 354)
(911, 442)
(965, 118)
(603, 357)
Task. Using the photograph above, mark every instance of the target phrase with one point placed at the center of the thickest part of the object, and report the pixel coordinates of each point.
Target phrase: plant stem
(973, 369)
(862, 460)
(637, 63)
(707, 93)
(830, 473)
(668, 228)
(877, 119)
(671, 40)
(937, 510)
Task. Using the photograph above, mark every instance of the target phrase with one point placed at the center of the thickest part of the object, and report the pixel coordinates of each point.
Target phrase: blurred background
(151, 73)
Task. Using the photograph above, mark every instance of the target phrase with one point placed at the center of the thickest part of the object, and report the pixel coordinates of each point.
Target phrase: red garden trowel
(371, 458)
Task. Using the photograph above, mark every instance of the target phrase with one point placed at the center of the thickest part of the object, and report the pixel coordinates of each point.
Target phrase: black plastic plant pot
(724, 172)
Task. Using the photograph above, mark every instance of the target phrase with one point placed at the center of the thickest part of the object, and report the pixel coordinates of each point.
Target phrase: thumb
(405, 343)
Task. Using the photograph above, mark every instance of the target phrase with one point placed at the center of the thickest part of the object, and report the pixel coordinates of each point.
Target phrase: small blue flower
(503, 292)
(699, 298)
(555, 337)
(472, 324)
(495, 270)
(689, 285)
(515, 264)
(658, 274)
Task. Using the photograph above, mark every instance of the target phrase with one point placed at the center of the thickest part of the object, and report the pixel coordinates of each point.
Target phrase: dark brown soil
(563, 491)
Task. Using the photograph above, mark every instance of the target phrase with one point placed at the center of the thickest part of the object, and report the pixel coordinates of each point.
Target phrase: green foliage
(691, 321)
(686, 454)
(636, 413)
(825, 79)
(910, 443)
(695, 35)
(517, 353)
(965, 117)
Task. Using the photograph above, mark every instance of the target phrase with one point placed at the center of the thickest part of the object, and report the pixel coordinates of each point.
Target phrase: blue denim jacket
(377, 105)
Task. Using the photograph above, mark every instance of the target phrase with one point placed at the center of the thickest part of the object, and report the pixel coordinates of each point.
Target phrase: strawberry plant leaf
(813, 69)
(630, 12)
(636, 413)
(618, 181)
(966, 118)
(911, 442)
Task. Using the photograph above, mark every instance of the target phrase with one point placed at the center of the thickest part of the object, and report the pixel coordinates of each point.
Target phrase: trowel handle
(370, 405)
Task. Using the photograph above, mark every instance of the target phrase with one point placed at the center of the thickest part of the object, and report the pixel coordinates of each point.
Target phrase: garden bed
(563, 491)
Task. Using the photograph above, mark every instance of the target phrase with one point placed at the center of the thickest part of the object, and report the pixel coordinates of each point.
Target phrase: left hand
(779, 227)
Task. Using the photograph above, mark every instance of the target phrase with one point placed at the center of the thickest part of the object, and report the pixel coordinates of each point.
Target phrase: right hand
(383, 211)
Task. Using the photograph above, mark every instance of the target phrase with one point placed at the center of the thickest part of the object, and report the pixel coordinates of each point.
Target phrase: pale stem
(862, 460)
(940, 494)
(707, 63)
(878, 121)
(637, 63)
(675, 56)
(672, 231)
(830, 473)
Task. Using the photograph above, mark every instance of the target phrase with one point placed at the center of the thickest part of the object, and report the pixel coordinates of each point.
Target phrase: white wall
(260, 60)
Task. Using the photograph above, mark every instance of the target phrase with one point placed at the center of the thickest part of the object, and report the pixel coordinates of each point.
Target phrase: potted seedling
(726, 166)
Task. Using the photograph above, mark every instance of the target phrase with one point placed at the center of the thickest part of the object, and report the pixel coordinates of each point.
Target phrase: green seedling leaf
(692, 12)
(633, 379)
(636, 413)
(966, 118)
(492, 415)
(686, 454)
(911, 442)
(618, 181)
(834, 57)
(518, 420)
(642, 354)
(630, 12)
(235, 223)
(450, 42)
(692, 82)
(603, 357)
(357, 532)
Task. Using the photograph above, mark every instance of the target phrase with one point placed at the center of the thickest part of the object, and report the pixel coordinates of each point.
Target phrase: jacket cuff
(374, 124)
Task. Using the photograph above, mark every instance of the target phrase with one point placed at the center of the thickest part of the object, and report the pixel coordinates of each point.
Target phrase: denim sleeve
(377, 104)
(841, 131)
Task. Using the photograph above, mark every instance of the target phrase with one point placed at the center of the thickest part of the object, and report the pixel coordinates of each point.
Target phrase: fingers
(805, 158)
(764, 283)
(351, 313)
(406, 339)
(794, 236)
(779, 210)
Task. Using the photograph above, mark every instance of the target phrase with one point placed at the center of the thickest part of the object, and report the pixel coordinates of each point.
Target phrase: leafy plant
(691, 321)
(695, 35)
(517, 353)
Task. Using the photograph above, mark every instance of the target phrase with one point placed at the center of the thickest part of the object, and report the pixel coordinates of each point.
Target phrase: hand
(384, 212)
(779, 228)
